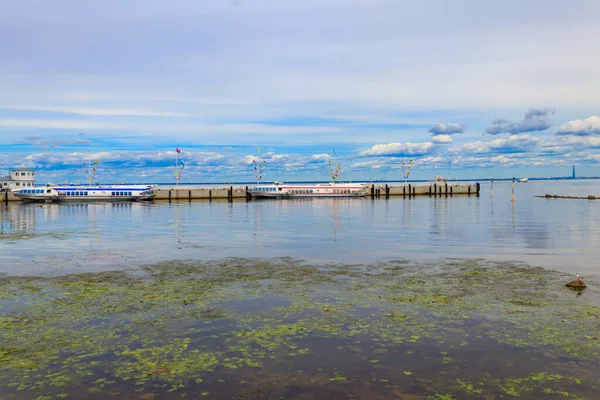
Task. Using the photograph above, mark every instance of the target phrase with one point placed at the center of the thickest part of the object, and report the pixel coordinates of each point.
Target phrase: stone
(577, 284)
(147, 396)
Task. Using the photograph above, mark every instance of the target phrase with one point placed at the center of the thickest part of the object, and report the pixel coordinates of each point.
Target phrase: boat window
(49, 191)
(311, 190)
(130, 193)
(85, 193)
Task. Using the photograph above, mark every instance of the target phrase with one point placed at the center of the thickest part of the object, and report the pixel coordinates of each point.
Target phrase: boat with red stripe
(331, 189)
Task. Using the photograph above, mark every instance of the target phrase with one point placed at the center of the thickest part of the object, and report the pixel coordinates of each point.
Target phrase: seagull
(579, 277)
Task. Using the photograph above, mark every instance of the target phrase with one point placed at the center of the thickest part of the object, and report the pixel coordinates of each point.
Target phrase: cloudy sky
(467, 88)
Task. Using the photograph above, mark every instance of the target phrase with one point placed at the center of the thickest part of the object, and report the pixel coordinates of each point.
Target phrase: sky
(467, 89)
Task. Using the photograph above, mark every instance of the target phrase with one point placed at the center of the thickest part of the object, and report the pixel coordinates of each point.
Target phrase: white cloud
(399, 149)
(321, 157)
(511, 144)
(585, 142)
(578, 127)
(441, 139)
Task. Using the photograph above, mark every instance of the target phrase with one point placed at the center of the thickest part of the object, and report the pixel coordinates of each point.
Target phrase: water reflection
(17, 220)
(550, 233)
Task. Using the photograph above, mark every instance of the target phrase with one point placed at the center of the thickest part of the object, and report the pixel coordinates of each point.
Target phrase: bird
(579, 277)
(41, 206)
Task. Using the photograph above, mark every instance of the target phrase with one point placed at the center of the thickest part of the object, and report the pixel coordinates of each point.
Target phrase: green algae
(168, 326)
(14, 237)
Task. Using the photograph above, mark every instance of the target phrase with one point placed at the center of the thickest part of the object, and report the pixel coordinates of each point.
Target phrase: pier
(374, 191)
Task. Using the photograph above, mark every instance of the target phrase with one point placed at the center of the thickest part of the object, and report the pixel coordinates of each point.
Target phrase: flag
(182, 164)
(177, 150)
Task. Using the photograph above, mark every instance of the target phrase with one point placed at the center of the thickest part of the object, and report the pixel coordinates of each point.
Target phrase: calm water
(264, 326)
(554, 233)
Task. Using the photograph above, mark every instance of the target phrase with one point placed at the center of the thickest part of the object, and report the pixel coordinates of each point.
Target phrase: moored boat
(50, 193)
(331, 189)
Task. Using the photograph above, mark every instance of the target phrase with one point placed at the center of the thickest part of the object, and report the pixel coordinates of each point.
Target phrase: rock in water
(577, 283)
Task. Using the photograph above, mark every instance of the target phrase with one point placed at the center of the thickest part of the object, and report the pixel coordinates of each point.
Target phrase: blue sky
(480, 88)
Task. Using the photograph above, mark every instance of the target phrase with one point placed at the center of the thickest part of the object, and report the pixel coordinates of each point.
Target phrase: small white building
(17, 178)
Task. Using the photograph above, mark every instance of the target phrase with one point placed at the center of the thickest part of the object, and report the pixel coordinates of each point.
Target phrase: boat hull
(74, 194)
(331, 190)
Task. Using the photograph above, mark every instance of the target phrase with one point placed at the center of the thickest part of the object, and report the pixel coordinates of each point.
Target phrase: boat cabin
(17, 179)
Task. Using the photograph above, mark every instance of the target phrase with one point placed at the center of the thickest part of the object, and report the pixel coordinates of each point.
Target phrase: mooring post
(209, 194)
(387, 191)
(170, 195)
(430, 190)
(469, 190)
(478, 188)
(410, 189)
(414, 190)
(372, 191)
(435, 189)
(446, 184)
(189, 195)
(450, 190)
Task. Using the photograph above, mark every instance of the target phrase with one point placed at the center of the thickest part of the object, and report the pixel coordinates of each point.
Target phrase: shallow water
(422, 298)
(551, 233)
(249, 328)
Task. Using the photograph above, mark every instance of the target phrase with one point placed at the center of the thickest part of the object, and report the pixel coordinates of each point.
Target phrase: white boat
(50, 193)
(439, 179)
(523, 180)
(331, 189)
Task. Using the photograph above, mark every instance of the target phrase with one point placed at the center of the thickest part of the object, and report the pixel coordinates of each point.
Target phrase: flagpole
(404, 173)
(176, 164)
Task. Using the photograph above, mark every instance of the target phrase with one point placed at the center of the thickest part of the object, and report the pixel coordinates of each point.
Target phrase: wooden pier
(374, 191)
